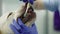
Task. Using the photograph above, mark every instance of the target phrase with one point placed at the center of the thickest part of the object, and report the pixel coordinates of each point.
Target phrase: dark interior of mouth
(27, 18)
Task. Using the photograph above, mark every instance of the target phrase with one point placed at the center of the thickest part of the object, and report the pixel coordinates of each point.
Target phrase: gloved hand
(30, 1)
(20, 28)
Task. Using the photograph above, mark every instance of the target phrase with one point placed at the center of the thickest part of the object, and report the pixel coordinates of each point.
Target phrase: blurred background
(44, 21)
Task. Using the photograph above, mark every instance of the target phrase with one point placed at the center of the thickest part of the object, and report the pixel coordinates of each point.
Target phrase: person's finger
(20, 21)
(16, 25)
(14, 29)
(21, 24)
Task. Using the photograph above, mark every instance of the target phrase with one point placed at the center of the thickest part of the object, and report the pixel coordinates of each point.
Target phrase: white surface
(10, 5)
(41, 21)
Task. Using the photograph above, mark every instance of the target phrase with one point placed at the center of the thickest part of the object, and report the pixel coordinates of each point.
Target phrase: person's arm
(46, 4)
(59, 7)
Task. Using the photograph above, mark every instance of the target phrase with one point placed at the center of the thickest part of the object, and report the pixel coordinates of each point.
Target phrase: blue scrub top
(54, 5)
(51, 4)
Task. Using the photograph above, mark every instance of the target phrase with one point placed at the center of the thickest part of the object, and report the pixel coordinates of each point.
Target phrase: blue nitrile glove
(30, 1)
(20, 28)
(56, 20)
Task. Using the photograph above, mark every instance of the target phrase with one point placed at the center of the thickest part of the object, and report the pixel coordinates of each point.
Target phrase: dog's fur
(7, 19)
